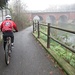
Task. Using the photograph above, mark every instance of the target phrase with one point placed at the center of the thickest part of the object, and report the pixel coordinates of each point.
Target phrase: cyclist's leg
(4, 41)
(12, 39)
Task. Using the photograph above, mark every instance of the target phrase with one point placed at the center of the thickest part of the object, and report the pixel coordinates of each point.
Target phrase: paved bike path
(28, 57)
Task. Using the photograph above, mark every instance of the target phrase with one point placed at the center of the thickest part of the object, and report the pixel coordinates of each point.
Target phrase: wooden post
(38, 30)
(48, 36)
(33, 26)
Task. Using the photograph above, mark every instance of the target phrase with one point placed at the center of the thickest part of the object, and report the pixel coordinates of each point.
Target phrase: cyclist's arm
(15, 27)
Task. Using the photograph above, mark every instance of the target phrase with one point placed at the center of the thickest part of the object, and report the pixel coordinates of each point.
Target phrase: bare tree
(19, 15)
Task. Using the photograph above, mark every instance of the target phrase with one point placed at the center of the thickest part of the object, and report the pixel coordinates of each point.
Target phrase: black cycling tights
(5, 35)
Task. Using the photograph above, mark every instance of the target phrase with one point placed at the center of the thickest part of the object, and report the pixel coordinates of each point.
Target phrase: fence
(70, 69)
(51, 37)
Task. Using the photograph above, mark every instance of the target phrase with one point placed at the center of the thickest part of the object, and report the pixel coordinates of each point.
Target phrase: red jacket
(8, 25)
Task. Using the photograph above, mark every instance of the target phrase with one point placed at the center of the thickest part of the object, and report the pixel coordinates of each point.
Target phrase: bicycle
(8, 50)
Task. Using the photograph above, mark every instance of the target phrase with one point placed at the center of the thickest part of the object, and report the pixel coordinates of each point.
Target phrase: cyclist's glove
(16, 30)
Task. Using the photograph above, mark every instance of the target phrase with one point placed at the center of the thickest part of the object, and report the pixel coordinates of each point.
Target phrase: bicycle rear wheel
(7, 58)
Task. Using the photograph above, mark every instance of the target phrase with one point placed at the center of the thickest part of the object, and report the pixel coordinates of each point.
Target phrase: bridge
(53, 17)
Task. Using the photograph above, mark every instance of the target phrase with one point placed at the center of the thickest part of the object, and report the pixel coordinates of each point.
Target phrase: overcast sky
(44, 4)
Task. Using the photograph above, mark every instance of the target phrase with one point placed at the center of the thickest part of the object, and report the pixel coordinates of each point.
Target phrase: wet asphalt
(28, 57)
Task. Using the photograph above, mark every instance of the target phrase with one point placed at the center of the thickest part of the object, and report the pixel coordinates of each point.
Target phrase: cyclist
(7, 29)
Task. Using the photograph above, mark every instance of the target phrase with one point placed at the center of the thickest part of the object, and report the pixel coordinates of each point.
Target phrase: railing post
(48, 36)
(33, 26)
(38, 30)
